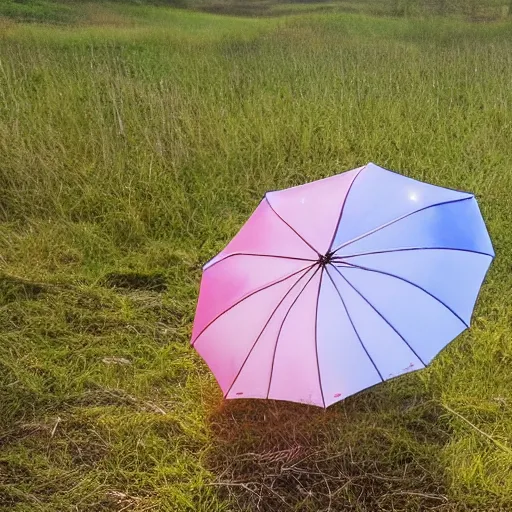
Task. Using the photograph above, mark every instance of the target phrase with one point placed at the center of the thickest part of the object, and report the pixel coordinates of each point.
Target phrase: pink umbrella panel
(334, 286)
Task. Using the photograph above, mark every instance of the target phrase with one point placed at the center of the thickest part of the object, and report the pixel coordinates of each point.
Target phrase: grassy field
(134, 142)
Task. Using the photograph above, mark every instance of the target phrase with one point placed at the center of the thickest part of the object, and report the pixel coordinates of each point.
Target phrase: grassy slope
(101, 11)
(129, 154)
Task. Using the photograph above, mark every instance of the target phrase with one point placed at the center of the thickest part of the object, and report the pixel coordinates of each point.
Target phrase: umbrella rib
(273, 283)
(296, 232)
(258, 255)
(412, 249)
(354, 327)
(281, 328)
(351, 265)
(378, 228)
(343, 205)
(379, 313)
(316, 335)
(263, 330)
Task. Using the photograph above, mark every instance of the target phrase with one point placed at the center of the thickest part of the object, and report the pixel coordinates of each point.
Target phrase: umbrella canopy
(339, 284)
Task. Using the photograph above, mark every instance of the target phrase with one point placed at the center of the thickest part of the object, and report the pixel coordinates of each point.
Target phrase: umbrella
(336, 285)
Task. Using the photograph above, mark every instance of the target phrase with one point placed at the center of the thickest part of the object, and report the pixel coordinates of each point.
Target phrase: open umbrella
(339, 284)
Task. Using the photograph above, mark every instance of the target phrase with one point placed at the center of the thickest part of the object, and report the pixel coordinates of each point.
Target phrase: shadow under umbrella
(377, 450)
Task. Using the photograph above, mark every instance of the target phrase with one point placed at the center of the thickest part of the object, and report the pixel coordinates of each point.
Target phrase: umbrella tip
(326, 258)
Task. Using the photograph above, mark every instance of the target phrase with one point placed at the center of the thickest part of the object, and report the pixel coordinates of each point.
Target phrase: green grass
(132, 148)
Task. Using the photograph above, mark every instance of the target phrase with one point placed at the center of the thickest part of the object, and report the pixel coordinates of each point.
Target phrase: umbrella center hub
(325, 259)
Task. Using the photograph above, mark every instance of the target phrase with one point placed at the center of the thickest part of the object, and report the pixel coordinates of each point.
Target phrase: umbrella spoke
(379, 313)
(404, 249)
(245, 297)
(206, 266)
(281, 328)
(351, 265)
(391, 222)
(343, 206)
(353, 326)
(316, 332)
(264, 327)
(294, 230)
